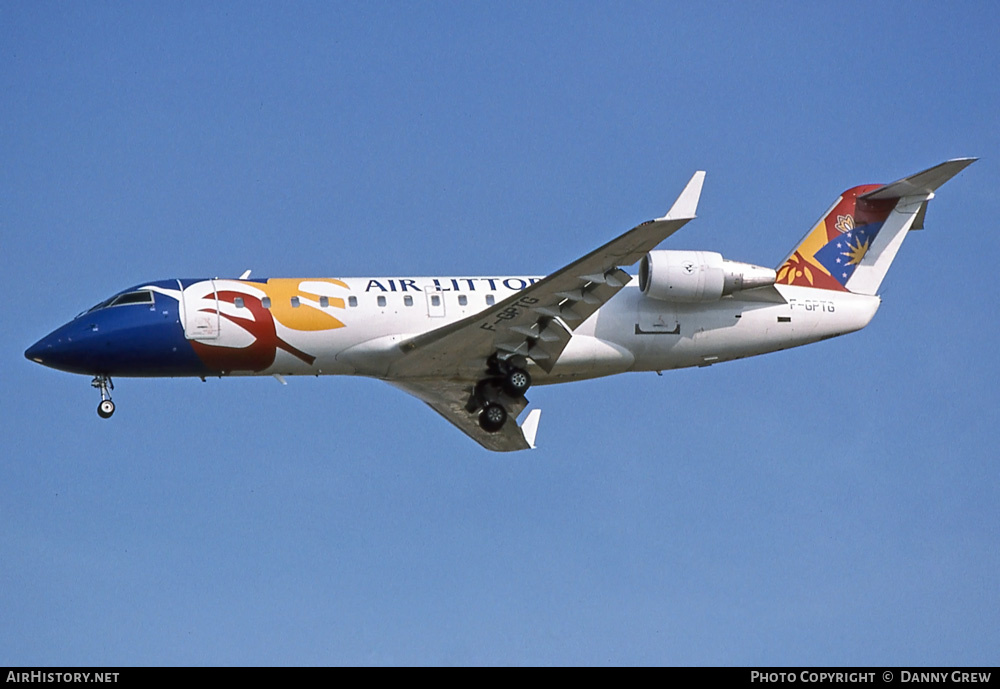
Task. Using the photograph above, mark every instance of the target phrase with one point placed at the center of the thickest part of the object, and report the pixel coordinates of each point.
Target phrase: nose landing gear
(103, 383)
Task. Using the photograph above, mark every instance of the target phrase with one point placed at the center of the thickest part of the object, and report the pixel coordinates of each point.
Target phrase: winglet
(686, 205)
(529, 427)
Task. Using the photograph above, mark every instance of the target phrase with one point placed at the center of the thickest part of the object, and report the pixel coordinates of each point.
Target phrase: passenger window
(239, 302)
(462, 300)
(295, 302)
(490, 300)
(381, 301)
(324, 302)
(435, 300)
(352, 301)
(266, 302)
(408, 300)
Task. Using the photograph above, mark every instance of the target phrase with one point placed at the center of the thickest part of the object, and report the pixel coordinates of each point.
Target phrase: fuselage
(355, 326)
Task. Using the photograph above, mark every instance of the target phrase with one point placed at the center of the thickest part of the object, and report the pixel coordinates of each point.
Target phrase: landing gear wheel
(492, 417)
(103, 383)
(516, 382)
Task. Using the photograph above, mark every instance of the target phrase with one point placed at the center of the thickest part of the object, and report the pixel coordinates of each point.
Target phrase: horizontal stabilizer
(921, 184)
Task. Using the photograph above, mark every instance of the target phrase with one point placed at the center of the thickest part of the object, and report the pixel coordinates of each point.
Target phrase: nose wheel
(106, 408)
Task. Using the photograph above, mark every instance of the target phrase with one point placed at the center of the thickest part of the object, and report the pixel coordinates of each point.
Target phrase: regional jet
(471, 347)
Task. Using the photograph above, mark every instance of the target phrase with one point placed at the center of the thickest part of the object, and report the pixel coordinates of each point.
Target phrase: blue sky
(834, 504)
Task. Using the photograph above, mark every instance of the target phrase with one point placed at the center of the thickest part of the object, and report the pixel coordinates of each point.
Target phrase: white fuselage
(631, 332)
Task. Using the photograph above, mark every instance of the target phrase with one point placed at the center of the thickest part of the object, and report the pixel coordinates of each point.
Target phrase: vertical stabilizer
(855, 242)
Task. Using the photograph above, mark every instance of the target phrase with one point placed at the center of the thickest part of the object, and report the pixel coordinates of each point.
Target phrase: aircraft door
(435, 301)
(200, 310)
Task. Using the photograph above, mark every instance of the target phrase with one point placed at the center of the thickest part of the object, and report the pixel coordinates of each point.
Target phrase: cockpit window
(138, 297)
(98, 307)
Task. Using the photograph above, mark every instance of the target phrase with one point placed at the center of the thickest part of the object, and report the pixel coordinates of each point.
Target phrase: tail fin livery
(854, 243)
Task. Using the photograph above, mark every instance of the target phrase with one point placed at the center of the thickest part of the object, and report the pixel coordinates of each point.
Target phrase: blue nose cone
(128, 340)
(36, 352)
(68, 349)
(51, 350)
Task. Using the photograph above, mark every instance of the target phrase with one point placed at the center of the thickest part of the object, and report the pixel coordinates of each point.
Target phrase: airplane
(470, 347)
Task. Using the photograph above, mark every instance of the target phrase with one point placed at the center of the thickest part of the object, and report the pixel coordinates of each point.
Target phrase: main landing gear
(507, 380)
(492, 417)
(516, 382)
(103, 383)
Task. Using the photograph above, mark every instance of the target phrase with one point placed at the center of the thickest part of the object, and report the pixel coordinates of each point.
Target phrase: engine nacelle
(693, 276)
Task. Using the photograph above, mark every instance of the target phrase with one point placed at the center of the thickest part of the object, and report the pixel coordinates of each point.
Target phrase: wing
(537, 322)
(449, 399)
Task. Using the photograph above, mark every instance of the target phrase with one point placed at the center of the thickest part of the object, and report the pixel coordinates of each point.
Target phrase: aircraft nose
(36, 352)
(65, 349)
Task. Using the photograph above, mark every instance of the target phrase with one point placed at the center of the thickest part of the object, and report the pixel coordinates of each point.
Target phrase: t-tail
(852, 246)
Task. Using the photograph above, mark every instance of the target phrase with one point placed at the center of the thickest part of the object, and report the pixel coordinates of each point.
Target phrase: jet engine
(693, 276)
